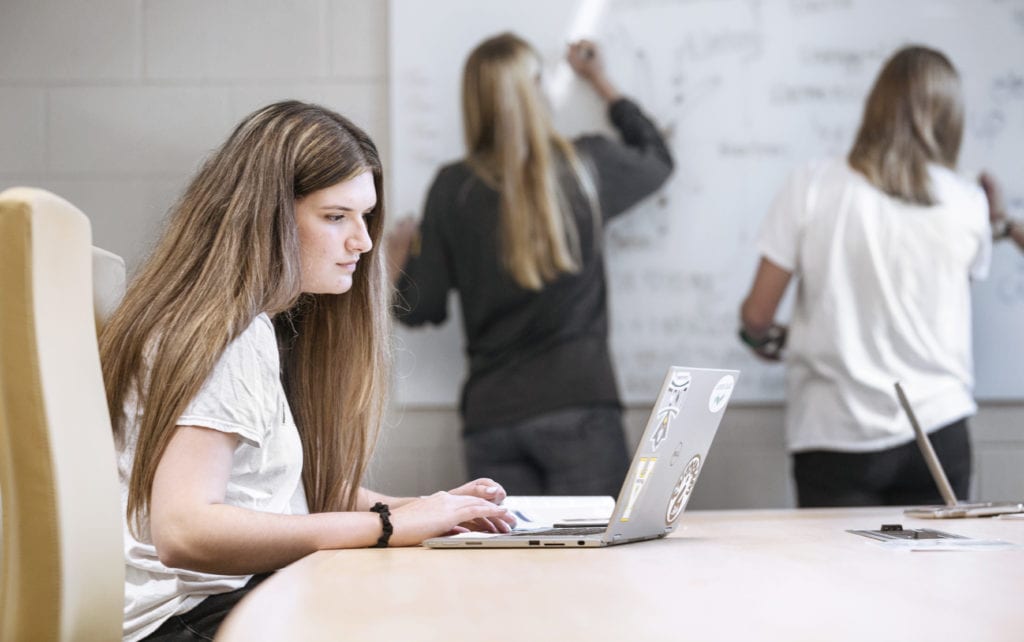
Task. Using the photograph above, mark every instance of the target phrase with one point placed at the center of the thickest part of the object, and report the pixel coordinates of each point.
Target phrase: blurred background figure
(884, 244)
(516, 229)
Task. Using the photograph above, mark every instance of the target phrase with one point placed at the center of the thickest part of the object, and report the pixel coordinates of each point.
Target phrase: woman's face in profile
(333, 233)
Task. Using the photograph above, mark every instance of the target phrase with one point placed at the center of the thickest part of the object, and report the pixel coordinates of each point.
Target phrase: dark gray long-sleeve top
(529, 352)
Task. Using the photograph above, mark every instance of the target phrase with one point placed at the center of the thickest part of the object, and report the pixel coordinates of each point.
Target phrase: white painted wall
(114, 103)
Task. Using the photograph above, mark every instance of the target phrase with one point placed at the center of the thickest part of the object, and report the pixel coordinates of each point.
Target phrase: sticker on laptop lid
(643, 471)
(672, 402)
(721, 393)
(677, 388)
(682, 490)
(661, 432)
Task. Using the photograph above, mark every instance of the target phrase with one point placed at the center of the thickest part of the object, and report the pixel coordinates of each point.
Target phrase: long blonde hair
(913, 116)
(230, 252)
(513, 146)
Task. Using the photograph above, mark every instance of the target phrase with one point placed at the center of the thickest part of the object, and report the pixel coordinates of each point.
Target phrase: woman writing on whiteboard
(884, 244)
(516, 229)
(246, 371)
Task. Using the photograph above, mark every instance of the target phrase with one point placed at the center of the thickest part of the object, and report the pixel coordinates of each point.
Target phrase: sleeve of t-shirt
(983, 257)
(627, 171)
(238, 397)
(779, 237)
(428, 274)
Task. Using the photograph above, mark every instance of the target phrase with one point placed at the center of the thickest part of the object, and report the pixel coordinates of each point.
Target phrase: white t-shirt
(883, 294)
(242, 396)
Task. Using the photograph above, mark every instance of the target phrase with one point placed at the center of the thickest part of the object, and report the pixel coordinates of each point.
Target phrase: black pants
(202, 622)
(574, 451)
(894, 477)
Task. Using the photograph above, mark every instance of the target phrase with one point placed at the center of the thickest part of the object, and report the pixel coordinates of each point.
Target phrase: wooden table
(724, 575)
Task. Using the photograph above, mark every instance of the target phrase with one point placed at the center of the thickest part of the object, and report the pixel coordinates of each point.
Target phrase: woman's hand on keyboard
(492, 491)
(483, 487)
(443, 513)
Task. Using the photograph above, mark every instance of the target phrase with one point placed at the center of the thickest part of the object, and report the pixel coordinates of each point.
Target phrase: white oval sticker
(721, 393)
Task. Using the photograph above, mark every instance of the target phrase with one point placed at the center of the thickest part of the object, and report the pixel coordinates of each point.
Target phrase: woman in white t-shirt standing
(246, 371)
(884, 245)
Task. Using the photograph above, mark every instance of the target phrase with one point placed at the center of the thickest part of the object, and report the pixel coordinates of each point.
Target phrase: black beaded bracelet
(385, 522)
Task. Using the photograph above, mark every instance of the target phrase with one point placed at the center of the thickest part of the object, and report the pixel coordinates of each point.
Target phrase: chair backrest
(108, 283)
(63, 559)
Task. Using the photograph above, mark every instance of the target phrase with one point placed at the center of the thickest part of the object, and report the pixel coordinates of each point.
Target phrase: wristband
(385, 522)
(1001, 229)
(1004, 229)
(756, 344)
(770, 345)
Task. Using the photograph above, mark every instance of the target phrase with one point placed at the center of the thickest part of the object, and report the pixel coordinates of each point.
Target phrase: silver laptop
(665, 468)
(953, 508)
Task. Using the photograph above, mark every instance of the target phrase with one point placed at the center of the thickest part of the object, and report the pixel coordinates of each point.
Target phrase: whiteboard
(747, 90)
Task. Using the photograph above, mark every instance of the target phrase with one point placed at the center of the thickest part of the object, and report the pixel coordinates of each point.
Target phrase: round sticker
(721, 393)
(681, 491)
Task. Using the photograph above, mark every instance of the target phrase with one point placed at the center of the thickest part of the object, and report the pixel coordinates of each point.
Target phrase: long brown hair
(913, 116)
(513, 146)
(230, 252)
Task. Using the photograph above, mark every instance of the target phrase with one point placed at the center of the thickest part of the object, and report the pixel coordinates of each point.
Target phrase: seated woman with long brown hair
(246, 371)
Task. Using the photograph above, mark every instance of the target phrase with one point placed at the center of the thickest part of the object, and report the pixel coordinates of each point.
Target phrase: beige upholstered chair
(63, 560)
(108, 283)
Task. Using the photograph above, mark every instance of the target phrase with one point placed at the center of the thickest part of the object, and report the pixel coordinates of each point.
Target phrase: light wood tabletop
(723, 575)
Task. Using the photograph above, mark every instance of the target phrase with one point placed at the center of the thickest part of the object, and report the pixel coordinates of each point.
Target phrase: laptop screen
(925, 444)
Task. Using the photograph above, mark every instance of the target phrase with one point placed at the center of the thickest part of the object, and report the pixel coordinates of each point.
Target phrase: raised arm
(400, 243)
(586, 60)
(629, 171)
(421, 268)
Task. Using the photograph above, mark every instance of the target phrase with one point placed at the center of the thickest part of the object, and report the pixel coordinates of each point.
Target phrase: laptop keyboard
(565, 532)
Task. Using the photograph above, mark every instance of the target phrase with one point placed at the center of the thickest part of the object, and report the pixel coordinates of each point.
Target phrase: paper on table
(957, 544)
(533, 511)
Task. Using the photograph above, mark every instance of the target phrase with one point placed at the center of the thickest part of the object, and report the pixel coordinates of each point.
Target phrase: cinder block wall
(114, 103)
